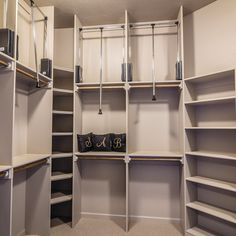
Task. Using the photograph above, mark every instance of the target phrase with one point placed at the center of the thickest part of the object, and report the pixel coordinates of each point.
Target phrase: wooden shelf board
(100, 155)
(63, 69)
(213, 183)
(4, 168)
(213, 211)
(199, 231)
(156, 154)
(212, 76)
(4, 57)
(61, 92)
(56, 112)
(26, 159)
(60, 197)
(212, 101)
(26, 69)
(105, 85)
(210, 128)
(62, 133)
(148, 84)
(60, 176)
(62, 154)
(212, 155)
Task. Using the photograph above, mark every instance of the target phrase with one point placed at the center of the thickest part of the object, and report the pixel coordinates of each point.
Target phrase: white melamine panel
(64, 44)
(154, 125)
(165, 54)
(209, 38)
(112, 56)
(103, 187)
(154, 190)
(113, 118)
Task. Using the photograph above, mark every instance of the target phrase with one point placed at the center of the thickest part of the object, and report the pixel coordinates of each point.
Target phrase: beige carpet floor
(100, 227)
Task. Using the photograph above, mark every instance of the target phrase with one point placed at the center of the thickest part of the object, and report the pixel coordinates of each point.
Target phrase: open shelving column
(210, 153)
(62, 129)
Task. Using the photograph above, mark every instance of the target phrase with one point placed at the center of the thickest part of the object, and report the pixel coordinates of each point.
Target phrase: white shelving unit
(210, 153)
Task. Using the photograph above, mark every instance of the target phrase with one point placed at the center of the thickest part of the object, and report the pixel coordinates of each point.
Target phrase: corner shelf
(61, 155)
(158, 84)
(212, 76)
(60, 197)
(212, 155)
(198, 231)
(56, 112)
(62, 92)
(26, 159)
(212, 101)
(213, 211)
(56, 176)
(213, 183)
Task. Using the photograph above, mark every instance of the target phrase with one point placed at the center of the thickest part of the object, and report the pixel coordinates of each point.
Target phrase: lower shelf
(60, 197)
(100, 155)
(213, 211)
(56, 176)
(213, 183)
(212, 155)
(62, 154)
(198, 231)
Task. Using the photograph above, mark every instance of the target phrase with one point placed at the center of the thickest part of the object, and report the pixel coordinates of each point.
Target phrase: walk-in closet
(117, 118)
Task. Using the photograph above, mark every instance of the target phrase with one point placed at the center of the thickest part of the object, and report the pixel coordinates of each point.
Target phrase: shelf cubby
(63, 78)
(31, 200)
(62, 166)
(147, 117)
(208, 89)
(62, 123)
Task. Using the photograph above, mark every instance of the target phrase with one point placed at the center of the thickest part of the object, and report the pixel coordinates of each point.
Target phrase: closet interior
(178, 166)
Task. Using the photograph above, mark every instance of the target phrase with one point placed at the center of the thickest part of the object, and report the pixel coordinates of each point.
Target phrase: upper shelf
(133, 84)
(5, 58)
(212, 101)
(29, 75)
(212, 155)
(28, 159)
(212, 76)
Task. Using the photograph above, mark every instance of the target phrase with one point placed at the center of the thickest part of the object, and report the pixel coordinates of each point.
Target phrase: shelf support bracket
(75, 158)
(127, 87)
(49, 161)
(181, 86)
(127, 159)
(182, 161)
(8, 174)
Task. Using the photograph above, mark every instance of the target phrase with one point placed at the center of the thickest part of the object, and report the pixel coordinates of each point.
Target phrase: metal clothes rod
(105, 27)
(28, 166)
(156, 23)
(102, 158)
(3, 63)
(36, 6)
(153, 159)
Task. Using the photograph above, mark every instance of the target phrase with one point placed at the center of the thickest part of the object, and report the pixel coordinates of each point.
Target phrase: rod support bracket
(127, 159)
(49, 161)
(181, 86)
(127, 86)
(182, 161)
(8, 174)
(75, 158)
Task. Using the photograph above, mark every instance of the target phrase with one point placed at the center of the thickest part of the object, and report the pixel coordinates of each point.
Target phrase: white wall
(210, 38)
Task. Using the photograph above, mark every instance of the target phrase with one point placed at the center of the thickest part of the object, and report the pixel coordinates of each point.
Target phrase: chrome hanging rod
(166, 23)
(36, 6)
(104, 27)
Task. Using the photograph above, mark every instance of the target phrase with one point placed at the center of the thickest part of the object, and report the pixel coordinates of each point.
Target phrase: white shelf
(213, 211)
(63, 69)
(62, 133)
(212, 155)
(210, 128)
(62, 155)
(4, 168)
(28, 71)
(60, 176)
(212, 101)
(5, 58)
(156, 155)
(198, 231)
(59, 197)
(158, 84)
(56, 112)
(107, 154)
(105, 85)
(26, 159)
(213, 183)
(212, 76)
(61, 92)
